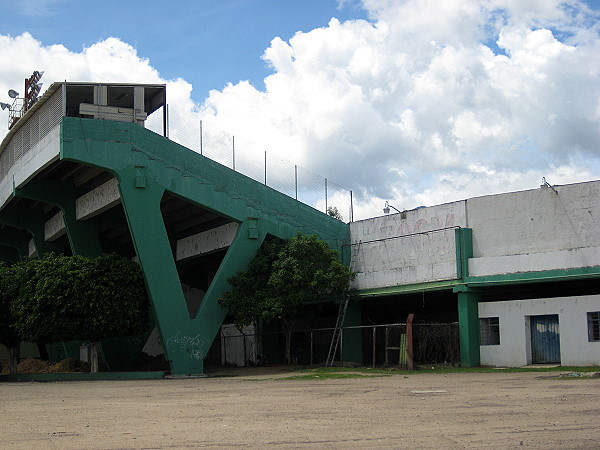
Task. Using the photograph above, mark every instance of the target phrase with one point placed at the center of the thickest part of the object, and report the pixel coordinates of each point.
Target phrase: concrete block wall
(410, 247)
(528, 231)
(534, 230)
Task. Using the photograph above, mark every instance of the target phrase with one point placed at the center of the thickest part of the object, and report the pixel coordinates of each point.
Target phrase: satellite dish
(4, 106)
(13, 94)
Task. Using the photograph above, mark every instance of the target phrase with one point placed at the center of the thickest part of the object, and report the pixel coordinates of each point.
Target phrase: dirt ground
(255, 409)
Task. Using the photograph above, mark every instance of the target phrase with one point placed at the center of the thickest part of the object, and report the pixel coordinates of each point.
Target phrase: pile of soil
(32, 365)
(69, 365)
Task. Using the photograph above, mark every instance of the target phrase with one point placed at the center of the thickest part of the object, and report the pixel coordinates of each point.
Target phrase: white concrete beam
(98, 200)
(574, 258)
(55, 227)
(205, 242)
(112, 113)
(32, 250)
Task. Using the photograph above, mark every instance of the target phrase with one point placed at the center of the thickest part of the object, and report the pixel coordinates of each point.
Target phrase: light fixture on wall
(387, 206)
(545, 184)
(14, 110)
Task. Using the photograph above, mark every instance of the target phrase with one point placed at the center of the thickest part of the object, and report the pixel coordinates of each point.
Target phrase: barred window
(593, 326)
(489, 331)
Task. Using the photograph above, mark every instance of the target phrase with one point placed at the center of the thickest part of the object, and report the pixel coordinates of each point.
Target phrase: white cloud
(415, 107)
(425, 103)
(110, 60)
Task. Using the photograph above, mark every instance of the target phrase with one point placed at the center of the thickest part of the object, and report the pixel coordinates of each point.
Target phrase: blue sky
(206, 42)
(424, 102)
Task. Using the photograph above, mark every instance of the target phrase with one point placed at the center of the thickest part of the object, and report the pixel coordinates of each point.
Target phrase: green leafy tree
(334, 212)
(250, 297)
(282, 277)
(65, 298)
(9, 336)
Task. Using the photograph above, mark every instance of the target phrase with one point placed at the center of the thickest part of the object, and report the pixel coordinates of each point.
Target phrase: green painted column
(464, 251)
(32, 221)
(352, 344)
(83, 236)
(17, 239)
(211, 315)
(468, 323)
(9, 254)
(186, 340)
(141, 202)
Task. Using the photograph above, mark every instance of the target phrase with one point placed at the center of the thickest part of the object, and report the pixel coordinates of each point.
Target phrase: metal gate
(545, 339)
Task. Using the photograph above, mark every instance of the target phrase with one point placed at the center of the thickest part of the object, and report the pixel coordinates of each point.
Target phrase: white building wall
(515, 338)
(534, 230)
(405, 248)
(529, 231)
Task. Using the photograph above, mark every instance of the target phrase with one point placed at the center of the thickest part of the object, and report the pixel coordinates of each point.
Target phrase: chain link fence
(382, 345)
(258, 163)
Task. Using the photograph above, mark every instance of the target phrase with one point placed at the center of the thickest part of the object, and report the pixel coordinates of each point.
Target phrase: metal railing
(263, 166)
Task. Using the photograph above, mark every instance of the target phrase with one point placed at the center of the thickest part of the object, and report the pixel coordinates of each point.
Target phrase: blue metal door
(545, 339)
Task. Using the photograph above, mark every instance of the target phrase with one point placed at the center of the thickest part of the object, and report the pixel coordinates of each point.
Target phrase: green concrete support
(542, 276)
(352, 344)
(85, 376)
(464, 251)
(468, 313)
(468, 323)
(9, 254)
(186, 340)
(118, 146)
(446, 285)
(32, 221)
(146, 165)
(237, 258)
(83, 237)
(142, 209)
(18, 239)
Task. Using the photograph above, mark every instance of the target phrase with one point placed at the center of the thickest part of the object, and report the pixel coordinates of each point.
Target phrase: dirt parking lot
(258, 410)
